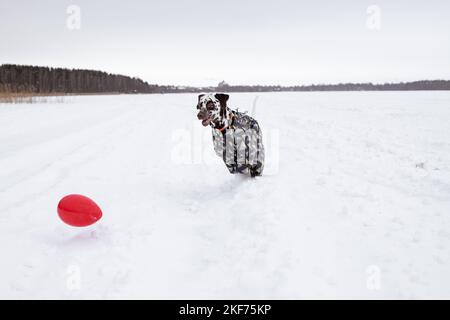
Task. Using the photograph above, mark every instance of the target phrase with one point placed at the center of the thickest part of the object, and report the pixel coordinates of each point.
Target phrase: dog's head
(212, 109)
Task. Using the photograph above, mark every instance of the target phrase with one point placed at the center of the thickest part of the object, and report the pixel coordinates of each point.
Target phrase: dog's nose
(200, 115)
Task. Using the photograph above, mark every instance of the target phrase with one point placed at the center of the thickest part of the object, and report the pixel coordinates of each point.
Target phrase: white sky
(200, 42)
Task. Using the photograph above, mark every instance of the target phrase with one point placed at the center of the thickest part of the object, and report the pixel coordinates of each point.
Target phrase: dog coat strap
(224, 154)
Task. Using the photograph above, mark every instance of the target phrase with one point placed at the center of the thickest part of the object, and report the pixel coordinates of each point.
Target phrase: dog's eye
(210, 106)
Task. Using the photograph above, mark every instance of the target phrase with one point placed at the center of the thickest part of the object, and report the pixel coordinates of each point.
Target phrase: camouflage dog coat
(240, 145)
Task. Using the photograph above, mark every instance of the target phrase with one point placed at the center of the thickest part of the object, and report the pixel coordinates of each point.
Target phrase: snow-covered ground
(355, 202)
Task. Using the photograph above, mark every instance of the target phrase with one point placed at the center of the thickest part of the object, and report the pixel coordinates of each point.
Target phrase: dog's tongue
(206, 122)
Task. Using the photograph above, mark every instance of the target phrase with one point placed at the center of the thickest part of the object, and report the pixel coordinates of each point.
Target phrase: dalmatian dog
(237, 137)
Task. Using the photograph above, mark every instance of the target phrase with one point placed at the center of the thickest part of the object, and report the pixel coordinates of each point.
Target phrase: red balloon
(78, 211)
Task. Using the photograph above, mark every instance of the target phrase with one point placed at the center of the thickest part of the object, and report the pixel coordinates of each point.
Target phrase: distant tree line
(44, 80)
(402, 86)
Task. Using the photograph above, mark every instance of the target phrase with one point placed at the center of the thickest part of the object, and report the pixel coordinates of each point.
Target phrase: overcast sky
(201, 42)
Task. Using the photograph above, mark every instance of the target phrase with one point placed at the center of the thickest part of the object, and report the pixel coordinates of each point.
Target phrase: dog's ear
(198, 103)
(223, 98)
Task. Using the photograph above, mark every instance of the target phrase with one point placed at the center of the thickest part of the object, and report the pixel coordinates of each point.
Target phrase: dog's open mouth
(206, 121)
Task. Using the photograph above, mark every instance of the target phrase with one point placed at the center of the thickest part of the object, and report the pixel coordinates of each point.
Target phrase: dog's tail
(253, 114)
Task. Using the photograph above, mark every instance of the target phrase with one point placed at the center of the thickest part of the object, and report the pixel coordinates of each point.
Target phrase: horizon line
(367, 82)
